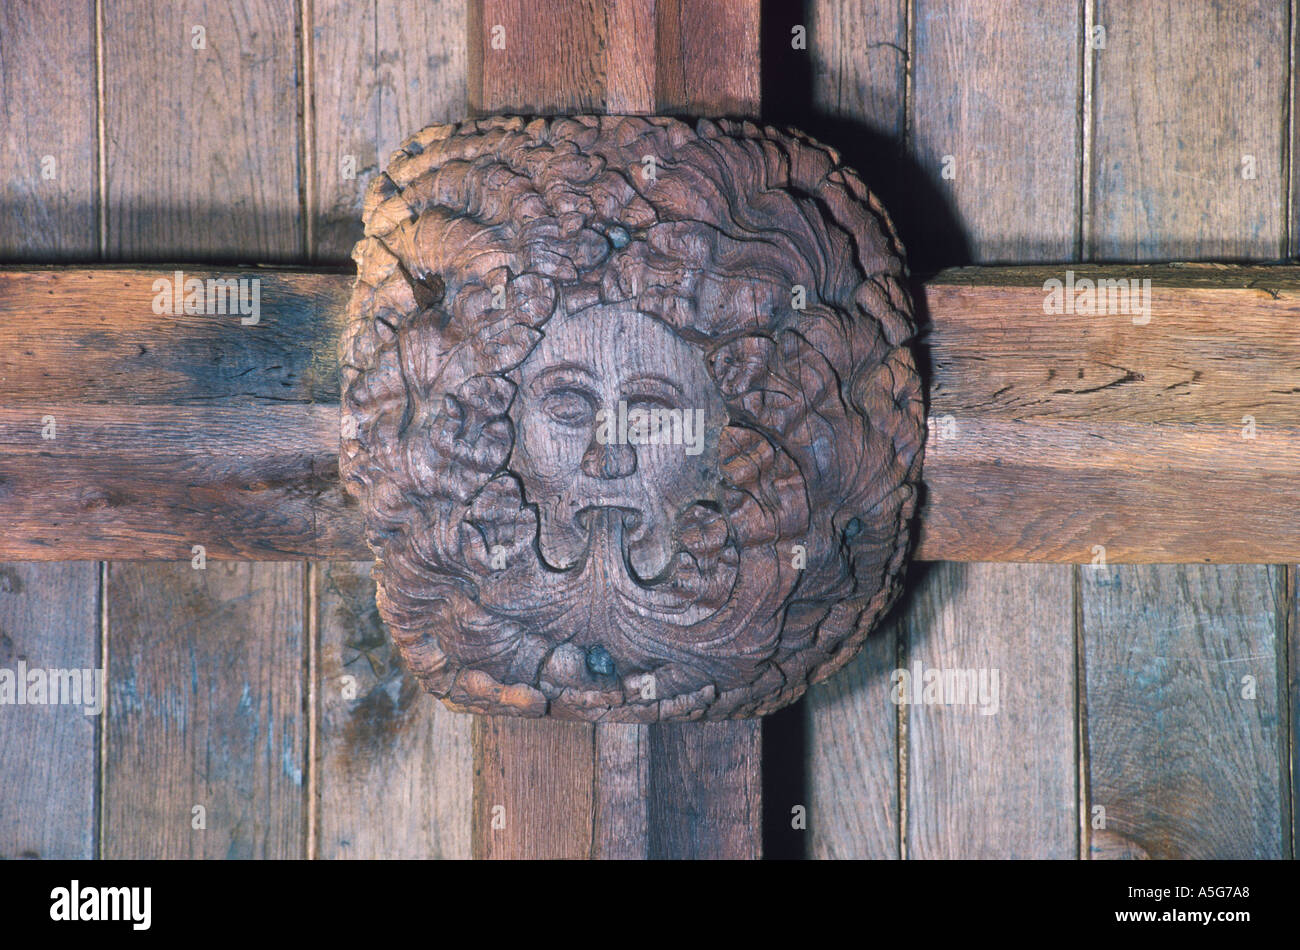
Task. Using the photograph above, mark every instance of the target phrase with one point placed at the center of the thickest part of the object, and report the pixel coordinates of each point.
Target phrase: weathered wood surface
(619, 764)
(393, 773)
(1185, 755)
(979, 783)
(1030, 413)
(49, 613)
(1185, 692)
(49, 619)
(856, 76)
(522, 474)
(205, 711)
(207, 693)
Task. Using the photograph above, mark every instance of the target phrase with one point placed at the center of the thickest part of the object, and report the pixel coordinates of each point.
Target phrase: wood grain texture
(49, 619)
(495, 84)
(202, 144)
(992, 776)
(707, 57)
(395, 770)
(857, 64)
(98, 339)
(128, 483)
(625, 500)
(1186, 709)
(47, 147)
(202, 162)
(206, 708)
(1029, 412)
(622, 776)
(49, 613)
(1291, 634)
(988, 77)
(705, 798)
(974, 785)
(853, 757)
(1173, 132)
(379, 69)
(1164, 724)
(533, 788)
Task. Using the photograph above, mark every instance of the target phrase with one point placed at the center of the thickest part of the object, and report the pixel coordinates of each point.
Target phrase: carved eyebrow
(565, 370)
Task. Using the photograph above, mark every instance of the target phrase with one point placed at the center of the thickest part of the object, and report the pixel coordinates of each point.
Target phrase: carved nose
(609, 461)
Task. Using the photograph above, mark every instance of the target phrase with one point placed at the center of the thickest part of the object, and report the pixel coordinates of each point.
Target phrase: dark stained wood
(769, 455)
(394, 770)
(206, 702)
(99, 340)
(857, 58)
(549, 56)
(394, 773)
(49, 619)
(568, 86)
(202, 162)
(1182, 763)
(1030, 436)
(707, 60)
(49, 613)
(705, 794)
(533, 788)
(1186, 703)
(1003, 784)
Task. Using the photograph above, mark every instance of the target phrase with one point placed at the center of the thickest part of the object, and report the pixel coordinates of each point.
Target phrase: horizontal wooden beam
(1170, 433)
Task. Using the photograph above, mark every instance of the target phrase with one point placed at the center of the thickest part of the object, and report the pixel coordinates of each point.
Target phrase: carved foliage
(629, 409)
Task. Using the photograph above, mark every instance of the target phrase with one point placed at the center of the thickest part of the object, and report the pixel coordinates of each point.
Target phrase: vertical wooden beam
(856, 69)
(207, 703)
(49, 613)
(1181, 170)
(393, 770)
(1004, 784)
(688, 790)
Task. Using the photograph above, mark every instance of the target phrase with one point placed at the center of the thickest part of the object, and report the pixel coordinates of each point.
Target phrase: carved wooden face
(615, 413)
(610, 469)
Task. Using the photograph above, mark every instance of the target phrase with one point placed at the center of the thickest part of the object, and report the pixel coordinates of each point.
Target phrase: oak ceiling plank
(202, 141)
(394, 769)
(49, 613)
(857, 55)
(1180, 760)
(552, 61)
(978, 783)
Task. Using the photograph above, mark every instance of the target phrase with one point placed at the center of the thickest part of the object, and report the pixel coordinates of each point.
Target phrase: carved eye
(568, 407)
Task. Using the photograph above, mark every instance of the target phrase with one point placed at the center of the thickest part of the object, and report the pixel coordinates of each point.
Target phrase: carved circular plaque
(629, 410)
